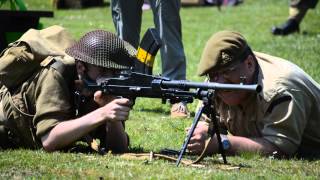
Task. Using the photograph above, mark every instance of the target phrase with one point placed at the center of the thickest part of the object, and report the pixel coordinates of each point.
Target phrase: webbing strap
(59, 66)
(150, 156)
(203, 154)
(18, 104)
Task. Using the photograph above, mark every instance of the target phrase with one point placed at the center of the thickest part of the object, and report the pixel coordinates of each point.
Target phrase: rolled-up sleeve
(53, 102)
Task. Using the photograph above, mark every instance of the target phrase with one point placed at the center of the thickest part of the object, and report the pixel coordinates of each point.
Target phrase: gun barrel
(209, 85)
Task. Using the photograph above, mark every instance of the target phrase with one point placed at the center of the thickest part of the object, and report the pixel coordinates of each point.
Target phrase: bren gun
(131, 85)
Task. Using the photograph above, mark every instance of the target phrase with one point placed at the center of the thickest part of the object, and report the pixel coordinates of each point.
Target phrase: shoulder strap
(67, 71)
(58, 66)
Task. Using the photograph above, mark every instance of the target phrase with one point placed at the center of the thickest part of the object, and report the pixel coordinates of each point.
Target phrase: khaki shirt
(286, 112)
(48, 98)
(44, 98)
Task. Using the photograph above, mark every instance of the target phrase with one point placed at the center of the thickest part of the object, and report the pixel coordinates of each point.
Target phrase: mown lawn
(150, 128)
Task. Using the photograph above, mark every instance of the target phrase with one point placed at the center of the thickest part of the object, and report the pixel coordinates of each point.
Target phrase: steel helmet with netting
(103, 48)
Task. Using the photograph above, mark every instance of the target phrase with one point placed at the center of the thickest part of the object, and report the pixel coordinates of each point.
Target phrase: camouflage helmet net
(103, 48)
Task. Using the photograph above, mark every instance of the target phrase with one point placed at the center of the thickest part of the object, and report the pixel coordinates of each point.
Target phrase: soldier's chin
(230, 98)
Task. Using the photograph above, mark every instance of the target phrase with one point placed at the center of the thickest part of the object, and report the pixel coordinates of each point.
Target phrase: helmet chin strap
(86, 78)
(243, 79)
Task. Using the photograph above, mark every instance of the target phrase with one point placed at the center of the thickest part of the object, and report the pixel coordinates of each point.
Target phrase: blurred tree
(14, 4)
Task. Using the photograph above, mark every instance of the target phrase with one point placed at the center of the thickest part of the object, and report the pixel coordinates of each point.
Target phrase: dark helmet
(103, 48)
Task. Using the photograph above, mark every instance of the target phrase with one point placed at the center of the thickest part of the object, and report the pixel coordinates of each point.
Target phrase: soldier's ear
(250, 64)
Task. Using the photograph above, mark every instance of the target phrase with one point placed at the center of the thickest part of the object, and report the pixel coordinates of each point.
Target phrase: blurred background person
(297, 11)
(166, 13)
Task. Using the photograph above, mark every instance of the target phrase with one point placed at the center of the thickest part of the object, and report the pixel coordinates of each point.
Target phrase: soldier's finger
(123, 101)
(193, 147)
(192, 140)
(121, 108)
(122, 113)
(122, 117)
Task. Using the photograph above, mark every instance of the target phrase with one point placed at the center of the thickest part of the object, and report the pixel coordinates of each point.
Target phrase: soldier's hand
(117, 110)
(101, 99)
(198, 139)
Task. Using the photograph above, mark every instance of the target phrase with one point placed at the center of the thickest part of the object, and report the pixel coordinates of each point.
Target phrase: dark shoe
(290, 26)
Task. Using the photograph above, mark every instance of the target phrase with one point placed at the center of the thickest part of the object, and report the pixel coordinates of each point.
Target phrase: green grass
(150, 127)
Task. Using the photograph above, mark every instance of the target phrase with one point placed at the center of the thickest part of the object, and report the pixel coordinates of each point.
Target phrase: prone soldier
(43, 113)
(282, 118)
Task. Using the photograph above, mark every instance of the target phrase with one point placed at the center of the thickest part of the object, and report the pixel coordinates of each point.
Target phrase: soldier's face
(240, 73)
(94, 72)
(91, 73)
